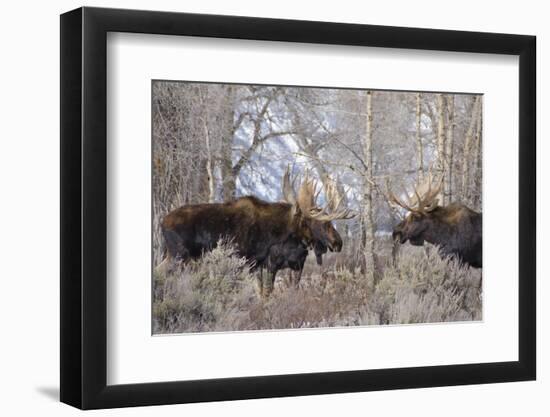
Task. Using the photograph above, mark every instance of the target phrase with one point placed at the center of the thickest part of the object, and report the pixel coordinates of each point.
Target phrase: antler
(308, 193)
(409, 205)
(288, 188)
(424, 199)
(427, 200)
(332, 210)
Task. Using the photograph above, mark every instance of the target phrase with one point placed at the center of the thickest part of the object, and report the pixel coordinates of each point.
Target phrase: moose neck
(438, 231)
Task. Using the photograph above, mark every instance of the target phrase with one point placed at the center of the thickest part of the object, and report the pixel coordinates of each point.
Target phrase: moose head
(421, 206)
(313, 223)
(455, 228)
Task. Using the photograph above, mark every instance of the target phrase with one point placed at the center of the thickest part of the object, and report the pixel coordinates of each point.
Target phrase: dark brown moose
(290, 254)
(268, 235)
(455, 228)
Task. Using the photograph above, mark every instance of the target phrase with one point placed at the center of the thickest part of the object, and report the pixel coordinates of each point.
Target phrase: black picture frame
(84, 207)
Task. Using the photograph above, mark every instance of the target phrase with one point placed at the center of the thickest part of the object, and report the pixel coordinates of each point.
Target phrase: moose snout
(397, 235)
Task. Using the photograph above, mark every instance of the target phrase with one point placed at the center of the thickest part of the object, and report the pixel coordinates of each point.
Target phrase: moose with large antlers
(455, 228)
(268, 235)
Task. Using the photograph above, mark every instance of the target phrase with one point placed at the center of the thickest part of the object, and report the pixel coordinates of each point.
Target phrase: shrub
(207, 295)
(219, 293)
(423, 287)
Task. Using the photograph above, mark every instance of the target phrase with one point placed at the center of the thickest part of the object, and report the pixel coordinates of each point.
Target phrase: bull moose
(455, 228)
(271, 235)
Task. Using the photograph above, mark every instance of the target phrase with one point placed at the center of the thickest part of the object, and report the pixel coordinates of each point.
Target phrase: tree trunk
(419, 147)
(441, 163)
(449, 151)
(478, 182)
(209, 157)
(367, 196)
(257, 140)
(209, 169)
(467, 153)
(227, 132)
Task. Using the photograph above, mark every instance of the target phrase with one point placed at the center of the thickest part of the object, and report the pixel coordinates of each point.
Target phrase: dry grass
(218, 293)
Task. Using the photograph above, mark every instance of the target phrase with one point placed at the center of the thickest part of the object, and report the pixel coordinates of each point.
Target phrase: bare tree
(478, 183)
(419, 146)
(263, 128)
(467, 152)
(448, 189)
(227, 127)
(367, 194)
(441, 157)
(207, 139)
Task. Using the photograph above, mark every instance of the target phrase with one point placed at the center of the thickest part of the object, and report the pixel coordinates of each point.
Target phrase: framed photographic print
(257, 207)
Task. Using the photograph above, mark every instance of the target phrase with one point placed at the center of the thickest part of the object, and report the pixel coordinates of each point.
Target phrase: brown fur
(455, 228)
(254, 226)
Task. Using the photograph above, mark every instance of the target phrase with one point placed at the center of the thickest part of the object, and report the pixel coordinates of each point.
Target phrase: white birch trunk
(209, 166)
(467, 153)
(478, 183)
(209, 156)
(449, 149)
(367, 196)
(227, 131)
(419, 146)
(441, 165)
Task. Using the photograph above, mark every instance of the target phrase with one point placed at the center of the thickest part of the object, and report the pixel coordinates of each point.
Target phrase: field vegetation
(219, 293)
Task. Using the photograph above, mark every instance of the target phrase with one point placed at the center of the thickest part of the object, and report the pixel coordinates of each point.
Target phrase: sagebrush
(219, 293)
